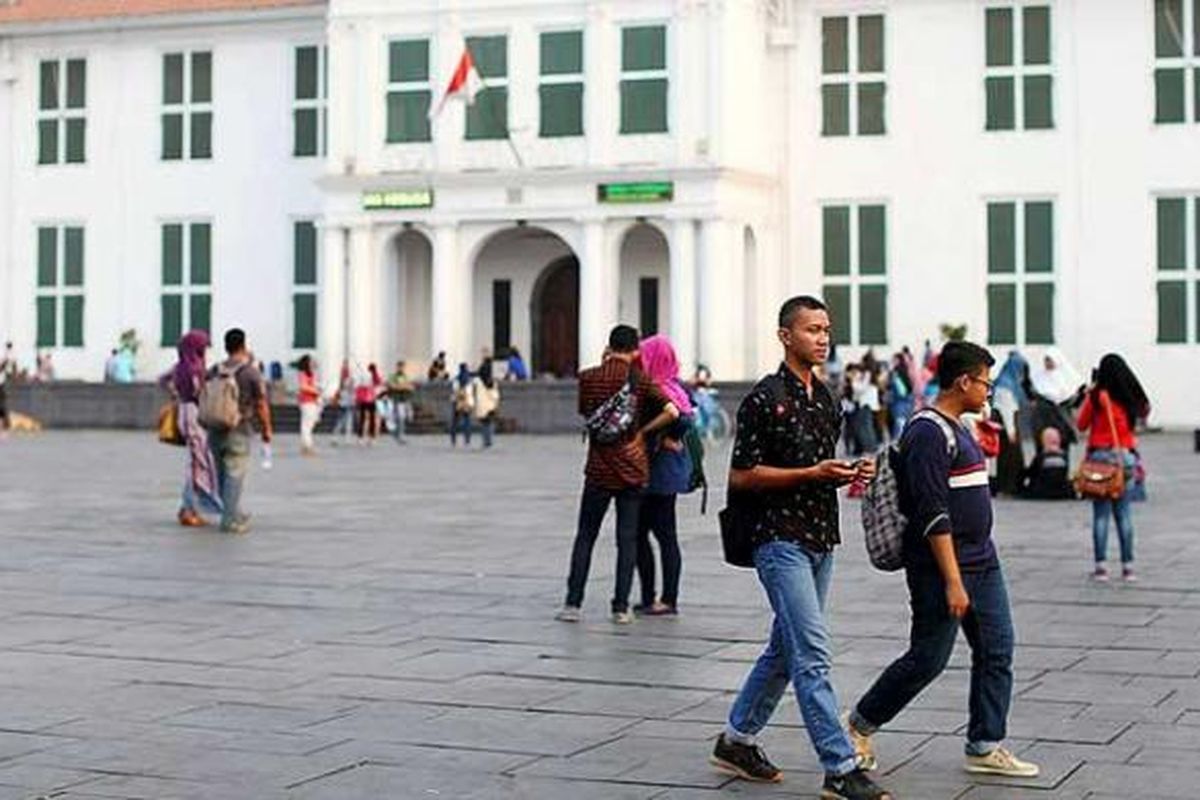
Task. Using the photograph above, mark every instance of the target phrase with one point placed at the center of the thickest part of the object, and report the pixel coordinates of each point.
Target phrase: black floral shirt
(780, 425)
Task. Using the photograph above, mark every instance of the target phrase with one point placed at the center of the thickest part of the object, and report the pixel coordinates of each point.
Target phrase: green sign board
(397, 198)
(639, 192)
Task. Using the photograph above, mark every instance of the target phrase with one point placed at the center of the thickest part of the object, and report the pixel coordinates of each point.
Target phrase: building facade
(1022, 168)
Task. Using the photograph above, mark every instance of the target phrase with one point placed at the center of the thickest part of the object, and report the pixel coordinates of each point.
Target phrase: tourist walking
(400, 390)
(366, 393)
(485, 392)
(344, 398)
(462, 405)
(1111, 408)
(308, 397)
(622, 406)
(953, 572)
(184, 382)
(783, 477)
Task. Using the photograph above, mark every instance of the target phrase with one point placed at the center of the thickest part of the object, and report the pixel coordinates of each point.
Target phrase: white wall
(644, 254)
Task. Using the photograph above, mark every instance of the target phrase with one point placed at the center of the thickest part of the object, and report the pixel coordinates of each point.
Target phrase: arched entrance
(645, 259)
(554, 318)
(407, 294)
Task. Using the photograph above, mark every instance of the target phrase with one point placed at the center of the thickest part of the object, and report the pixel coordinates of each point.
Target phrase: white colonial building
(1025, 167)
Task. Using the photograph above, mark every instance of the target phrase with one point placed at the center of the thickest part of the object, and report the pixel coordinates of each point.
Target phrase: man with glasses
(953, 572)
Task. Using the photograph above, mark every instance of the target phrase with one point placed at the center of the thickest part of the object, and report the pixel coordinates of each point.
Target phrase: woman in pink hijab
(670, 476)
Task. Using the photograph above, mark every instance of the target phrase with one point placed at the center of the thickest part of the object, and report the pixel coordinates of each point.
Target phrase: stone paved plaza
(386, 632)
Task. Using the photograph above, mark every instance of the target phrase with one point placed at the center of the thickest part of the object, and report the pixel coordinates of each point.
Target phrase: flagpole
(496, 119)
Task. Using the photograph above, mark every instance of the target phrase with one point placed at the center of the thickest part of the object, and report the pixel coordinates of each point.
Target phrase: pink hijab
(661, 365)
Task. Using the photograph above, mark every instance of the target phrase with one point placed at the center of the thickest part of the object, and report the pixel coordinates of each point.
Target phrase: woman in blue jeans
(1110, 411)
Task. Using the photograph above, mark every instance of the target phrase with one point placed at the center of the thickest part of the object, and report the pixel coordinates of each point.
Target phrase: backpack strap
(945, 427)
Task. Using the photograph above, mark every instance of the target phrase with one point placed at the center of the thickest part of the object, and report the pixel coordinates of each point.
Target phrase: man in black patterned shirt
(784, 467)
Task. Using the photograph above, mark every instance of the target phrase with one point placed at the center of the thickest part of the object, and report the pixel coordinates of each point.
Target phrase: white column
(600, 71)
(683, 292)
(332, 307)
(361, 291)
(451, 296)
(597, 305)
(721, 303)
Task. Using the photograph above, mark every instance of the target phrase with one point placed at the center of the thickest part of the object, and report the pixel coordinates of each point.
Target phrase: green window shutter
(835, 109)
(408, 116)
(490, 54)
(1197, 291)
(1039, 102)
(1002, 237)
(48, 141)
(1169, 95)
(200, 252)
(173, 79)
(1002, 313)
(172, 255)
(870, 43)
(76, 83)
(872, 314)
(1172, 312)
(408, 61)
(835, 45)
(1039, 237)
(200, 312)
(561, 53)
(872, 240)
(304, 268)
(1196, 91)
(172, 319)
(1001, 104)
(999, 36)
(47, 322)
(202, 77)
(644, 106)
(871, 109)
(1196, 27)
(201, 134)
(1035, 34)
(1172, 233)
(644, 48)
(1039, 313)
(304, 320)
(76, 141)
(47, 257)
(561, 109)
(73, 256)
(73, 321)
(487, 118)
(48, 86)
(1168, 28)
(837, 298)
(304, 132)
(172, 137)
(307, 69)
(836, 239)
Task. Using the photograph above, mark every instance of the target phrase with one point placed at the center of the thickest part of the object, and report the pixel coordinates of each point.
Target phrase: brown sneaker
(863, 746)
(190, 519)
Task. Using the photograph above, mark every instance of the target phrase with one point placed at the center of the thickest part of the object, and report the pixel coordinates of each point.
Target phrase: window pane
(835, 109)
(202, 134)
(200, 252)
(1001, 112)
(200, 312)
(1002, 237)
(836, 239)
(202, 77)
(1002, 314)
(871, 108)
(76, 83)
(46, 322)
(562, 53)
(1168, 28)
(644, 48)
(562, 109)
(304, 137)
(838, 300)
(47, 256)
(1039, 313)
(1196, 93)
(1035, 34)
(644, 106)
(501, 317)
(172, 137)
(1197, 311)
(76, 140)
(1039, 112)
(1172, 312)
(870, 43)
(73, 321)
(1196, 27)
(172, 320)
(408, 116)
(999, 23)
(488, 117)
(409, 61)
(304, 320)
(48, 141)
(1168, 95)
(48, 99)
(73, 257)
(307, 77)
(872, 240)
(1039, 237)
(648, 306)
(304, 235)
(172, 255)
(872, 315)
(490, 54)
(835, 45)
(1172, 233)
(173, 79)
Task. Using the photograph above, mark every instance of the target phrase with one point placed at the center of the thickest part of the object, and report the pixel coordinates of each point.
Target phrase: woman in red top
(1115, 395)
(308, 396)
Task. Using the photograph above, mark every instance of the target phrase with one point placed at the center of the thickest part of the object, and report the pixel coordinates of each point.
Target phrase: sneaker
(237, 526)
(1001, 762)
(622, 617)
(862, 744)
(1100, 575)
(854, 785)
(569, 614)
(656, 609)
(745, 761)
(190, 519)
(1128, 575)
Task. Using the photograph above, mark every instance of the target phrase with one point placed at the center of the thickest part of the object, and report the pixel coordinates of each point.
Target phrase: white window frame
(567, 77)
(412, 86)
(851, 78)
(188, 107)
(1020, 277)
(320, 103)
(60, 290)
(1189, 62)
(1019, 70)
(644, 74)
(185, 288)
(1189, 275)
(855, 280)
(313, 288)
(60, 114)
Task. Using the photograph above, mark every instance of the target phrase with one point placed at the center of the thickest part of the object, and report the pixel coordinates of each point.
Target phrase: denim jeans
(400, 413)
(1121, 509)
(593, 505)
(800, 651)
(658, 517)
(487, 427)
(989, 630)
(231, 449)
(460, 423)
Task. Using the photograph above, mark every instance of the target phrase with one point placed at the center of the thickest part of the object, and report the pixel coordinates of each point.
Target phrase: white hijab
(1059, 383)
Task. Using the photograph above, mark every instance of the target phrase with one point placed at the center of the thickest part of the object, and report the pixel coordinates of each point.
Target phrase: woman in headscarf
(185, 382)
(670, 476)
(1053, 388)
(1011, 403)
(486, 394)
(1111, 409)
(462, 405)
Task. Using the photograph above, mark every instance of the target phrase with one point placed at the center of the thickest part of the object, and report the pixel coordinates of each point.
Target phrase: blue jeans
(1121, 509)
(460, 423)
(593, 505)
(800, 651)
(400, 411)
(231, 449)
(989, 630)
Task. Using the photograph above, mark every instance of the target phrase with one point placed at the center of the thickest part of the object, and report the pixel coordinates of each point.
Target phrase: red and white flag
(464, 84)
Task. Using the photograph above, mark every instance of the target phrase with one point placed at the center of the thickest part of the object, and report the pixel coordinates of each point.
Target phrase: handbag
(738, 520)
(1103, 480)
(168, 425)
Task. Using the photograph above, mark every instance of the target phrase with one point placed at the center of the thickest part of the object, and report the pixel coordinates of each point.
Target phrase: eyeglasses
(991, 386)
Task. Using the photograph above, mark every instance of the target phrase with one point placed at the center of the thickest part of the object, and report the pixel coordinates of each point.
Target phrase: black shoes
(746, 761)
(852, 786)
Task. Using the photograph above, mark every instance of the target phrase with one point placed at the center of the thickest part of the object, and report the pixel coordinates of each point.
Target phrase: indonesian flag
(464, 84)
